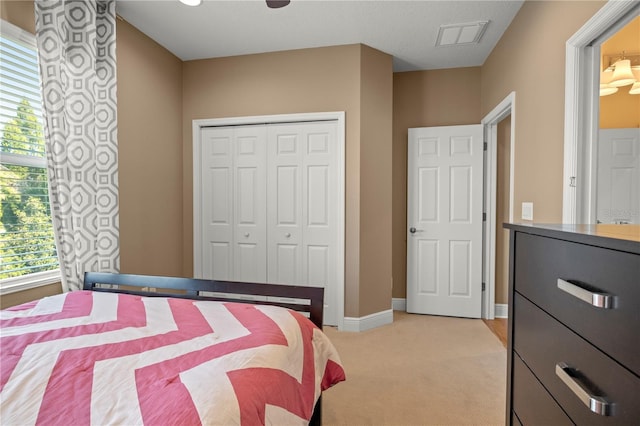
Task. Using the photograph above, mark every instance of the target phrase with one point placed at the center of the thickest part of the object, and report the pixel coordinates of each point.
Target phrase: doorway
(498, 125)
(499, 130)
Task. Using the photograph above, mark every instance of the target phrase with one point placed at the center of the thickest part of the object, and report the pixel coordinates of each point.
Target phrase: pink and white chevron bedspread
(105, 358)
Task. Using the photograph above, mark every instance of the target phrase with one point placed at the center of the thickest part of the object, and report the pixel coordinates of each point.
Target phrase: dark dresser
(574, 325)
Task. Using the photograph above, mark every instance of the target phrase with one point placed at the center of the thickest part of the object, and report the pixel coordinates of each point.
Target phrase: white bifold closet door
(233, 199)
(269, 206)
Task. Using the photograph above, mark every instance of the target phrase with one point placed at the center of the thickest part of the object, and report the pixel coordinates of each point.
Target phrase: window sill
(13, 285)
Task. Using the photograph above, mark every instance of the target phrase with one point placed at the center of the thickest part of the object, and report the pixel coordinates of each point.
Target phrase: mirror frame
(581, 109)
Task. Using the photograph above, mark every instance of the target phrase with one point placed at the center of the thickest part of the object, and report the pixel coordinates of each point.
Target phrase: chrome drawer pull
(596, 404)
(599, 300)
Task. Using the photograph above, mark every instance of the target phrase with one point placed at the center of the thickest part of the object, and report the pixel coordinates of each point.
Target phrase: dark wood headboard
(297, 298)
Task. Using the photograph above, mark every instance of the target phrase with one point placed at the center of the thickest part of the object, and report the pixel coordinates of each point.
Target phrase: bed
(139, 349)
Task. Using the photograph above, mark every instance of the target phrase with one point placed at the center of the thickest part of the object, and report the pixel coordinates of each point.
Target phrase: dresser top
(617, 237)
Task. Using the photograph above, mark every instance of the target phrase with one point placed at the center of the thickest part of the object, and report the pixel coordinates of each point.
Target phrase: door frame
(581, 108)
(490, 124)
(339, 117)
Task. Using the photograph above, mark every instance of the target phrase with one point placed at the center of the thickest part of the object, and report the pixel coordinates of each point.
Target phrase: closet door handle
(595, 403)
(599, 300)
(246, 235)
(287, 235)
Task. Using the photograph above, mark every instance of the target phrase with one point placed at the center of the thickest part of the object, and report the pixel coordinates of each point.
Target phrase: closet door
(249, 192)
(233, 199)
(285, 195)
(216, 195)
(269, 207)
(302, 207)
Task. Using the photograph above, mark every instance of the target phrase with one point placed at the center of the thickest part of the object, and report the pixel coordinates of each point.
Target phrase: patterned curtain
(77, 53)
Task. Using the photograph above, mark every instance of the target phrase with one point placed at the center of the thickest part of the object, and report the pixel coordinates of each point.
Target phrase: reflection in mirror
(617, 167)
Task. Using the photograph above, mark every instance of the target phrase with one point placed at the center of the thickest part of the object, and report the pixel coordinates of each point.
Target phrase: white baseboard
(368, 322)
(501, 310)
(398, 304)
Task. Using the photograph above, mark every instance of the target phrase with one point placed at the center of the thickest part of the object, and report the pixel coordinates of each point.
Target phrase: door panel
(444, 216)
(250, 235)
(284, 210)
(217, 216)
(618, 178)
(302, 222)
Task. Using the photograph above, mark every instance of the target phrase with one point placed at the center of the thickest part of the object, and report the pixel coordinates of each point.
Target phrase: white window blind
(27, 246)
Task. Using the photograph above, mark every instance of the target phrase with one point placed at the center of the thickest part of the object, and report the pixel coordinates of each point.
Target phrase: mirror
(617, 155)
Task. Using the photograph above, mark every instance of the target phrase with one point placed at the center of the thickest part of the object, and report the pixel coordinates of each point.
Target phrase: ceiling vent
(461, 34)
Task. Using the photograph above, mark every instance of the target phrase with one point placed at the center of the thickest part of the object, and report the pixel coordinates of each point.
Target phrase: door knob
(287, 235)
(246, 235)
(413, 230)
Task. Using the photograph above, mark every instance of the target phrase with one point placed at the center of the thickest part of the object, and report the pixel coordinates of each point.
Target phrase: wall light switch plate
(527, 211)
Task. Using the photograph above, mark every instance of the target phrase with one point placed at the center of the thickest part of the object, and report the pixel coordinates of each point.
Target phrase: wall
(424, 99)
(150, 154)
(376, 122)
(19, 13)
(308, 80)
(502, 210)
(530, 60)
(159, 96)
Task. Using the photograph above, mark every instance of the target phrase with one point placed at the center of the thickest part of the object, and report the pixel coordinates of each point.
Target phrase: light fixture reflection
(605, 79)
(191, 2)
(622, 75)
(635, 89)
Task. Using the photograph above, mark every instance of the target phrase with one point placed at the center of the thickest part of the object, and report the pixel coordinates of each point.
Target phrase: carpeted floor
(420, 370)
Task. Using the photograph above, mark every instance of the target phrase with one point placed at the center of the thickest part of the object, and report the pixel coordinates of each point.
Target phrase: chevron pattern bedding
(105, 358)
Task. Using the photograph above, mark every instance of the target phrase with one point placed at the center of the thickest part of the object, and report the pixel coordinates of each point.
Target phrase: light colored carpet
(420, 370)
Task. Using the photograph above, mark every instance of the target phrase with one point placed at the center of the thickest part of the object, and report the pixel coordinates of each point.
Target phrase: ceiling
(407, 30)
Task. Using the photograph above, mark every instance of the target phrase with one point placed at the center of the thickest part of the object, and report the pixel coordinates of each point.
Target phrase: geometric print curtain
(77, 55)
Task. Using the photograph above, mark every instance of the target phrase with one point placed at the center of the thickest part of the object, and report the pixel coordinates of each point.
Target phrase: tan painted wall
(331, 79)
(376, 120)
(150, 154)
(502, 210)
(530, 60)
(19, 13)
(424, 99)
(621, 110)
(13, 299)
(306, 80)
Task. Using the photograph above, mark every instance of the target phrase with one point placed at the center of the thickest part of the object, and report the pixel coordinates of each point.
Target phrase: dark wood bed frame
(298, 298)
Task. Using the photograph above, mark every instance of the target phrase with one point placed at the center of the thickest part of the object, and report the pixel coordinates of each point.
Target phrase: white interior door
(217, 200)
(444, 217)
(618, 177)
(250, 195)
(303, 208)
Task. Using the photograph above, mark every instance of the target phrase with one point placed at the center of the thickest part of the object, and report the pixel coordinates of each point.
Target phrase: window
(27, 248)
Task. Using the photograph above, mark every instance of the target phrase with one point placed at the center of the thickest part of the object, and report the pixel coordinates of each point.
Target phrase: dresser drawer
(532, 404)
(541, 261)
(543, 343)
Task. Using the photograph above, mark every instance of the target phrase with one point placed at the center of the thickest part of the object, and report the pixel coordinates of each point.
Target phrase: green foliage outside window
(26, 232)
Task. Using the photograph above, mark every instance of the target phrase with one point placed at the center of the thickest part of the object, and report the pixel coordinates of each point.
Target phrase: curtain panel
(77, 54)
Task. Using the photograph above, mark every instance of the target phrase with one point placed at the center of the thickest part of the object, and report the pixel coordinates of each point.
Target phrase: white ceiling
(407, 30)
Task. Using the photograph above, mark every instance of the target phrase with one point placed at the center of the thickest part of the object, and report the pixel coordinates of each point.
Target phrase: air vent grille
(461, 34)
